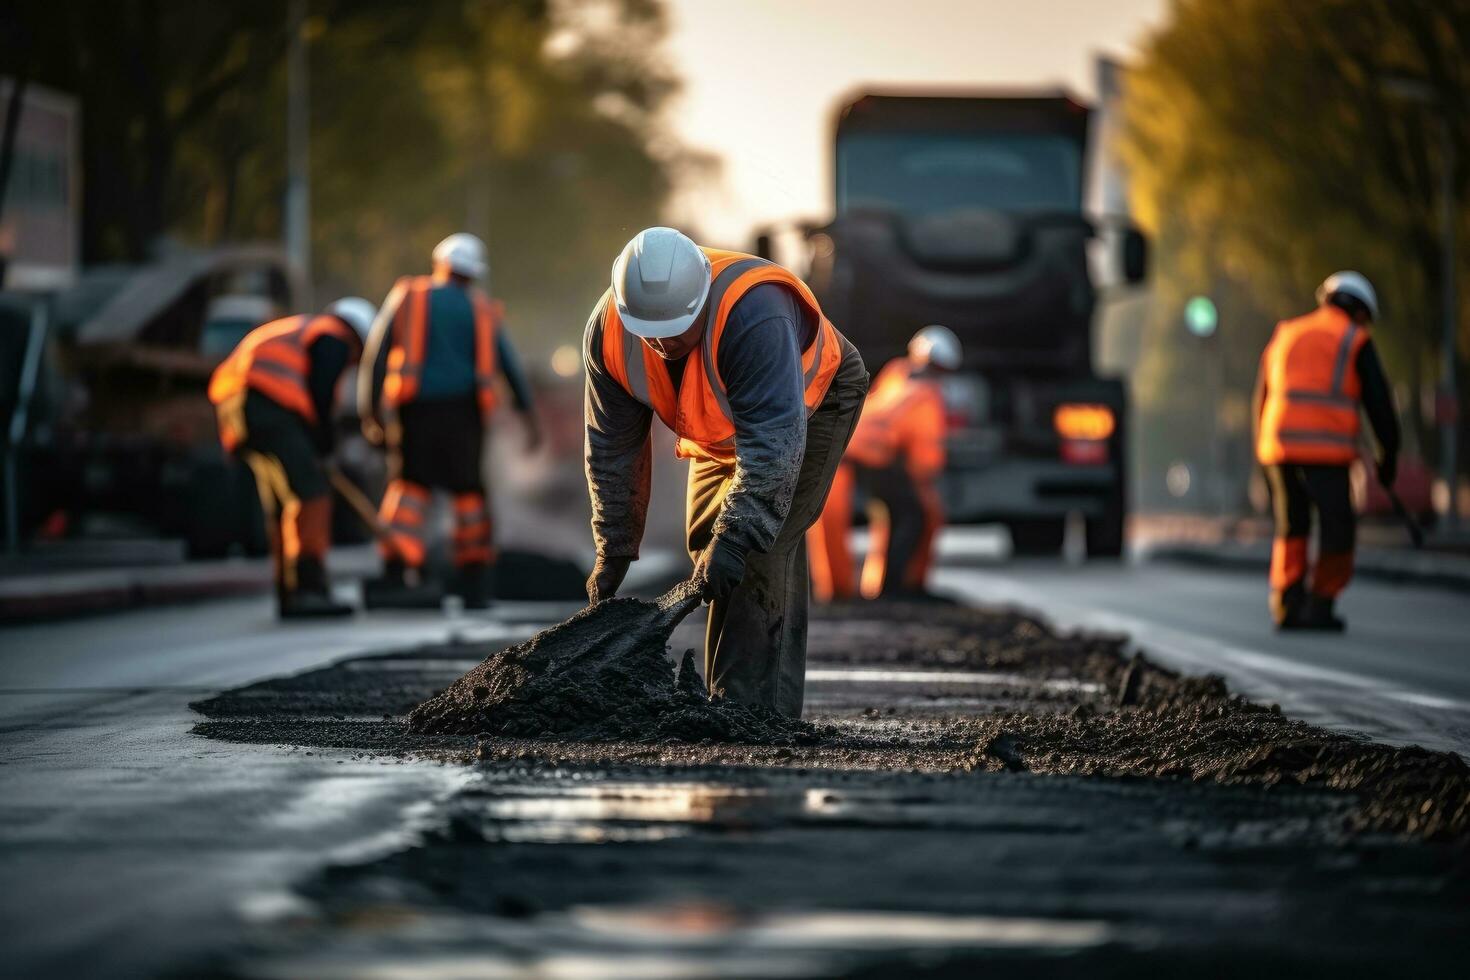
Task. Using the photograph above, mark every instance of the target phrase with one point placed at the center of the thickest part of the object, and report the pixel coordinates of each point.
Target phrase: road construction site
(970, 786)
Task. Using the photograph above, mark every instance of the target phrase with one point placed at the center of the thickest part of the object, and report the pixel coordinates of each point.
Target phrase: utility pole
(298, 145)
(1448, 408)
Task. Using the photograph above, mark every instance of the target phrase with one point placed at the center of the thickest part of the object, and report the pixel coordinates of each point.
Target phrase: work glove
(720, 569)
(607, 575)
(1388, 469)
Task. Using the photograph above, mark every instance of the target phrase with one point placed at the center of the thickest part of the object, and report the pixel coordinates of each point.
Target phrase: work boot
(1287, 607)
(1318, 614)
(299, 604)
(401, 587)
(312, 596)
(475, 584)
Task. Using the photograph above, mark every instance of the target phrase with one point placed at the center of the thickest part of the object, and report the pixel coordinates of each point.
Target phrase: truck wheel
(1038, 536)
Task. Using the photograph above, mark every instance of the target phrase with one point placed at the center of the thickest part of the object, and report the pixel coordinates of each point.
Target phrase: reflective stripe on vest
(411, 328)
(273, 359)
(1310, 415)
(699, 411)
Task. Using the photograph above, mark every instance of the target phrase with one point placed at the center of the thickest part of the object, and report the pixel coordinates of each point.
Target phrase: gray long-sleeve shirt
(760, 362)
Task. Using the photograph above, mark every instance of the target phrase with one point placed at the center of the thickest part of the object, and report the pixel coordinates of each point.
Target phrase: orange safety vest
(699, 412)
(1310, 414)
(901, 415)
(410, 339)
(274, 360)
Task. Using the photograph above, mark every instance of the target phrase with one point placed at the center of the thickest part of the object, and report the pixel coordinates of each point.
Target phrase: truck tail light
(1093, 423)
(1084, 430)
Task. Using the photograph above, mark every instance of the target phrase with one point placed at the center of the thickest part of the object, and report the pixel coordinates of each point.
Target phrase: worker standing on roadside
(733, 353)
(427, 386)
(275, 396)
(1315, 375)
(895, 458)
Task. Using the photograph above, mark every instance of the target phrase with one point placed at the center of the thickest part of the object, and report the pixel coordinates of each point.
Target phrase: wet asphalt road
(1401, 673)
(120, 831)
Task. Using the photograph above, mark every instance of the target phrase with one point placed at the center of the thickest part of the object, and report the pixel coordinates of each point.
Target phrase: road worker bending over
(895, 458)
(733, 353)
(275, 396)
(1315, 375)
(427, 386)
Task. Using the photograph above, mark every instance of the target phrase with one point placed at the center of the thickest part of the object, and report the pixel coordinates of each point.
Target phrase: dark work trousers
(437, 445)
(294, 494)
(905, 527)
(755, 643)
(1297, 493)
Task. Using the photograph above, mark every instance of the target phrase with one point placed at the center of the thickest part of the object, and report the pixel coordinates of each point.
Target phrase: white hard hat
(1353, 284)
(356, 312)
(938, 346)
(660, 283)
(463, 253)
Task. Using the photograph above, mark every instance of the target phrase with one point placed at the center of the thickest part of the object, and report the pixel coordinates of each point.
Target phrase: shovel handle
(358, 501)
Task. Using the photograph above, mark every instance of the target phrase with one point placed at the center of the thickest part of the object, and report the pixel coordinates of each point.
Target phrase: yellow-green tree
(1266, 150)
(534, 123)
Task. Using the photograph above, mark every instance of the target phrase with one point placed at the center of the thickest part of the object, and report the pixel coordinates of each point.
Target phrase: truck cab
(967, 211)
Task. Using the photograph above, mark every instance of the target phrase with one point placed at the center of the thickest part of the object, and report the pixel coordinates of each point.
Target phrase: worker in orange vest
(1317, 373)
(895, 458)
(733, 354)
(274, 396)
(427, 387)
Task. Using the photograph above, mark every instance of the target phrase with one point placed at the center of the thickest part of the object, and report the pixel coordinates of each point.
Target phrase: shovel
(613, 628)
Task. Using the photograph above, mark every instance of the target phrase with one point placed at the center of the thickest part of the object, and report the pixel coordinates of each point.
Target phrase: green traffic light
(1200, 316)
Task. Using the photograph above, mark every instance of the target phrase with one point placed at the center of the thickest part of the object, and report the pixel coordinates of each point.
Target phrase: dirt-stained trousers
(755, 642)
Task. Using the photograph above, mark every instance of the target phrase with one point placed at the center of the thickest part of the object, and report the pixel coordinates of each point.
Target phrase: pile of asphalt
(603, 675)
(601, 691)
(1192, 728)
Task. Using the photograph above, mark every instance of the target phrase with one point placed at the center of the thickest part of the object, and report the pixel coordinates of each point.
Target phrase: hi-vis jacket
(1312, 390)
(902, 421)
(274, 359)
(409, 337)
(698, 411)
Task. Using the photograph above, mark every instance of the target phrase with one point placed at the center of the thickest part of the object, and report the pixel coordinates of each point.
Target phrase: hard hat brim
(657, 329)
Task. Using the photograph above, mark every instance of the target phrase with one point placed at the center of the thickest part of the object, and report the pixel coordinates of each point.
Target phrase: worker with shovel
(1317, 373)
(427, 387)
(733, 354)
(895, 458)
(275, 396)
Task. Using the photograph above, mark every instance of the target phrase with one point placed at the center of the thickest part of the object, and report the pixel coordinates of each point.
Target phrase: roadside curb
(1402, 567)
(37, 598)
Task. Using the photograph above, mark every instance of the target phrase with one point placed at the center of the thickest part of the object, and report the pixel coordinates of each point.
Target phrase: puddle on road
(947, 678)
(675, 939)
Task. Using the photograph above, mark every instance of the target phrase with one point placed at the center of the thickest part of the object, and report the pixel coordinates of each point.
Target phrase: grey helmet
(660, 283)
(356, 312)
(1351, 284)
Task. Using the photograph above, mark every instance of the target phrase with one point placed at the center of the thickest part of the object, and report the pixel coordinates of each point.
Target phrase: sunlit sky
(762, 78)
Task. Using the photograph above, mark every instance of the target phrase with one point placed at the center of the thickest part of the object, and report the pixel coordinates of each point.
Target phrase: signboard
(40, 221)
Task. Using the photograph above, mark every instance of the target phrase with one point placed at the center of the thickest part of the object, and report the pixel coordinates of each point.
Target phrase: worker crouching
(275, 396)
(427, 388)
(894, 460)
(1316, 375)
(733, 354)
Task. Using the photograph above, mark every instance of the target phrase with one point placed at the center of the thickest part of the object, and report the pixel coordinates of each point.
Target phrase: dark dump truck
(967, 211)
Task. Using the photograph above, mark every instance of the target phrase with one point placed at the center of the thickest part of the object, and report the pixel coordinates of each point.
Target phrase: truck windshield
(925, 173)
